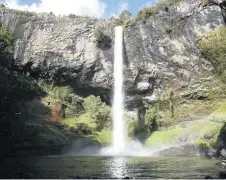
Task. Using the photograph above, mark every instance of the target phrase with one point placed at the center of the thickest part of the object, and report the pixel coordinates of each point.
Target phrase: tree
(15, 90)
(99, 111)
(125, 16)
(123, 19)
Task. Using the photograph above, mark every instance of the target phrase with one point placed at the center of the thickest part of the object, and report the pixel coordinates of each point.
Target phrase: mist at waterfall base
(119, 146)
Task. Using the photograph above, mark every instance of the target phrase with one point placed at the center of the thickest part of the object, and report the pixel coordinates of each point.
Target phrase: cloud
(94, 8)
(122, 6)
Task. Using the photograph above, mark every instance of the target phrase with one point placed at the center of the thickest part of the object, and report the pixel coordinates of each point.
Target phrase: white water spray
(119, 127)
(120, 147)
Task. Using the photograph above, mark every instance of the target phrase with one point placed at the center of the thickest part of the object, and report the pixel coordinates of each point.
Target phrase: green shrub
(102, 40)
(123, 20)
(58, 93)
(97, 116)
(147, 12)
(84, 125)
(2, 6)
(212, 47)
(63, 95)
(151, 119)
(204, 2)
(104, 137)
(22, 13)
(149, 125)
(132, 122)
(98, 111)
(73, 16)
(136, 129)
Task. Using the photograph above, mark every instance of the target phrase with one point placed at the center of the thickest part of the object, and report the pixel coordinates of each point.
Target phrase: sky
(95, 8)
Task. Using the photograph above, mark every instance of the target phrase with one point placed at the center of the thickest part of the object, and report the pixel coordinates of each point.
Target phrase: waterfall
(119, 146)
(119, 127)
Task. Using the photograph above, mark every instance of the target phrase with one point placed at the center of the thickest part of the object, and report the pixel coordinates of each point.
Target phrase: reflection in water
(118, 167)
(132, 149)
(69, 167)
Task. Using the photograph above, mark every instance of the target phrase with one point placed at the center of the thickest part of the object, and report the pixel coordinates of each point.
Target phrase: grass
(104, 137)
(87, 119)
(22, 13)
(212, 46)
(70, 122)
(204, 2)
(193, 131)
(221, 110)
(206, 143)
(83, 119)
(164, 137)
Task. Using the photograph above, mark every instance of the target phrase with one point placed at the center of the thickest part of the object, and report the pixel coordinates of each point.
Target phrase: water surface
(108, 167)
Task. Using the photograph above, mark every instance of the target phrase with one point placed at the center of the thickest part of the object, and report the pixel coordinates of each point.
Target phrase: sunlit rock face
(159, 53)
(163, 52)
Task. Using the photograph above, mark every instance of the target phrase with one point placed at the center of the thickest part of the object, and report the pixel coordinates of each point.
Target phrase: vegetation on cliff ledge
(147, 12)
(212, 46)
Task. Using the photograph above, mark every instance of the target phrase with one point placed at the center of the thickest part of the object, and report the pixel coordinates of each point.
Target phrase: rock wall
(160, 52)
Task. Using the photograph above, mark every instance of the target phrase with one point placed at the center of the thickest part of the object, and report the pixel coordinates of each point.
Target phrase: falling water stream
(86, 167)
(120, 145)
(119, 127)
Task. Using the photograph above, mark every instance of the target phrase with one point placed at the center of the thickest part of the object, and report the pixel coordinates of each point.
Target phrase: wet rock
(221, 143)
(63, 50)
(223, 153)
(126, 178)
(222, 175)
(208, 136)
(221, 164)
(208, 177)
(212, 153)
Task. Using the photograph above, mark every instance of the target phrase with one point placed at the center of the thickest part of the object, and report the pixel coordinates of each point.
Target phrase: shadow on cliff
(221, 143)
(223, 9)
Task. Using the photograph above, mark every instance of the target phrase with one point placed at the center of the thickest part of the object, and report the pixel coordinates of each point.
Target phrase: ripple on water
(108, 167)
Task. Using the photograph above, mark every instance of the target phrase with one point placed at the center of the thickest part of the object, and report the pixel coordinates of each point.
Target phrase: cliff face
(160, 52)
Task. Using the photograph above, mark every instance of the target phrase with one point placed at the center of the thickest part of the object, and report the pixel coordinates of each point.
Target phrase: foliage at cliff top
(19, 12)
(123, 20)
(212, 46)
(147, 12)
